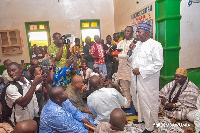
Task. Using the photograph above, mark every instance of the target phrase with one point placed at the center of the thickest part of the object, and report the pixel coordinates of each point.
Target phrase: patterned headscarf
(144, 26)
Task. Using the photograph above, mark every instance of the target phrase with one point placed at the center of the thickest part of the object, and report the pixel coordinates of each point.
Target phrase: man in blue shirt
(59, 115)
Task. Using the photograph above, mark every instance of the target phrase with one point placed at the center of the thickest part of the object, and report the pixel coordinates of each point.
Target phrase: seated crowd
(75, 89)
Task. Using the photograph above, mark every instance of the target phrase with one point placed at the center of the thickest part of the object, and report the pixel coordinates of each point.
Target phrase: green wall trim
(158, 1)
(194, 75)
(172, 48)
(167, 77)
(191, 70)
(168, 18)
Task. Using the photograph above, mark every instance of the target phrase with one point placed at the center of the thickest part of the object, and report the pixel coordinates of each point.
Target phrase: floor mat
(164, 126)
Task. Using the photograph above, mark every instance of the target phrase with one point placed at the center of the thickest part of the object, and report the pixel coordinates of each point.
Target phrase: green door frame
(27, 31)
(168, 34)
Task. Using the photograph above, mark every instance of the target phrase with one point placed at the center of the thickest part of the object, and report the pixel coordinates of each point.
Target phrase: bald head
(76, 79)
(26, 126)
(94, 81)
(77, 82)
(55, 91)
(58, 95)
(118, 118)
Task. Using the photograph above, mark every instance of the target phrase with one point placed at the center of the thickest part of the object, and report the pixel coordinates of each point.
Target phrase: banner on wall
(145, 14)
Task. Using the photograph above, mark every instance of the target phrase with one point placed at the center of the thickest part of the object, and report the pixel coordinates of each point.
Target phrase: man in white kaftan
(146, 62)
(102, 101)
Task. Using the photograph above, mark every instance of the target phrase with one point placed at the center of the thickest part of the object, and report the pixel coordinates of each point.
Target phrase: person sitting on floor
(4, 126)
(115, 125)
(59, 115)
(178, 97)
(26, 126)
(76, 92)
(102, 100)
(26, 106)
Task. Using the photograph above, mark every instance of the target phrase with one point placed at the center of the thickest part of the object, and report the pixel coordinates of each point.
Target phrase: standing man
(109, 57)
(146, 62)
(60, 51)
(115, 60)
(97, 53)
(115, 39)
(86, 51)
(123, 73)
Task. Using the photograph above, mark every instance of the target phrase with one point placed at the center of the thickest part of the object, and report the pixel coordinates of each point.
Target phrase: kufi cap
(0, 75)
(181, 71)
(144, 26)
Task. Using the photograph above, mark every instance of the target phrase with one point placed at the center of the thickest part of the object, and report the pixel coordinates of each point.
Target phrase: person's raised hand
(69, 61)
(84, 88)
(39, 78)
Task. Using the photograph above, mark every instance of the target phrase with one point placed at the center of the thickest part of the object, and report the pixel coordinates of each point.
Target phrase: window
(90, 28)
(38, 37)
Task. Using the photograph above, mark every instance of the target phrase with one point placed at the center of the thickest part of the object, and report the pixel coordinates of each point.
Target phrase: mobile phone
(22, 61)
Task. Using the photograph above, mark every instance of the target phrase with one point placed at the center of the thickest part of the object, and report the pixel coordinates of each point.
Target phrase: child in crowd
(115, 125)
(26, 126)
(95, 70)
(85, 71)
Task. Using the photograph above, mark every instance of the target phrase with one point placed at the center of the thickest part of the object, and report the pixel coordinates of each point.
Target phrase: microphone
(129, 53)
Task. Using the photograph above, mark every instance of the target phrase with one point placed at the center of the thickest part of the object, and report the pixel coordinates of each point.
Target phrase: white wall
(190, 35)
(63, 17)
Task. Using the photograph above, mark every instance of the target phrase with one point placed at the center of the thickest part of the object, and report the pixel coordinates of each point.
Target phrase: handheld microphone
(129, 53)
